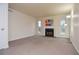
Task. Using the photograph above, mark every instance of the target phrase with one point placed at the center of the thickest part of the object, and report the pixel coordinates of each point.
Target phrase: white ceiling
(42, 9)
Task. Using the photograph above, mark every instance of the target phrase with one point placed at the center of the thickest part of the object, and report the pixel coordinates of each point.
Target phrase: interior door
(3, 25)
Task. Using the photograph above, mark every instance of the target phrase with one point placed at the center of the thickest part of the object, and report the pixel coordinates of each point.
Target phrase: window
(62, 24)
(39, 26)
(39, 23)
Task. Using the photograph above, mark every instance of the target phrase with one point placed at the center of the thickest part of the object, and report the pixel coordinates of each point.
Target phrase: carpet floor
(40, 45)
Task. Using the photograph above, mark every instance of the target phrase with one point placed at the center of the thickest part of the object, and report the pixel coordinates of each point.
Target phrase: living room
(38, 29)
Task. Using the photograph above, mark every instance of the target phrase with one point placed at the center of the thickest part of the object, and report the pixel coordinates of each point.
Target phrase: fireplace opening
(49, 32)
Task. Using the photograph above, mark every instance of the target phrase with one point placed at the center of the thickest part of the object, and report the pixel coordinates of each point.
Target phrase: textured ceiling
(42, 9)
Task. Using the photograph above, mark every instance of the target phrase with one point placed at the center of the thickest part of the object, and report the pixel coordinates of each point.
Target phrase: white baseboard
(4, 47)
(61, 36)
(20, 37)
(75, 46)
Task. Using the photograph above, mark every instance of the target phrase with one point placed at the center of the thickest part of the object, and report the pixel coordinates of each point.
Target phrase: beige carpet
(40, 45)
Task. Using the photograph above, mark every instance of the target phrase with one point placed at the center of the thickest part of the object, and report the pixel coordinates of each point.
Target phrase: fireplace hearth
(49, 32)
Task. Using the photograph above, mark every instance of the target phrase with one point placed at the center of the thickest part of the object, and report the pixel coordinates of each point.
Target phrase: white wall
(74, 34)
(20, 25)
(57, 29)
(4, 25)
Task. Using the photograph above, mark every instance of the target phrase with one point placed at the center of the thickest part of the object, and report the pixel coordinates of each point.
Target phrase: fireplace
(49, 32)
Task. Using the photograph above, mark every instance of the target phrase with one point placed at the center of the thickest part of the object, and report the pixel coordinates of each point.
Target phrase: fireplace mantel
(49, 27)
